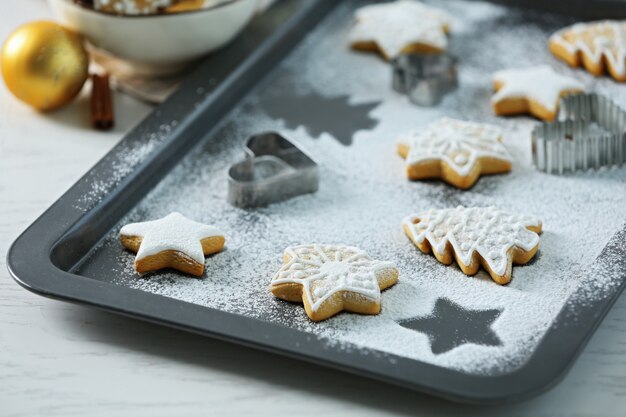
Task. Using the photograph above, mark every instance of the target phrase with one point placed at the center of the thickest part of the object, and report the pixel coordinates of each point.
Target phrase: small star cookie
(534, 90)
(330, 278)
(475, 236)
(598, 46)
(171, 242)
(402, 26)
(454, 150)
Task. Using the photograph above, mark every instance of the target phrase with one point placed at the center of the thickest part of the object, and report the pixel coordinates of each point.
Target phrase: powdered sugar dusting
(125, 160)
(364, 196)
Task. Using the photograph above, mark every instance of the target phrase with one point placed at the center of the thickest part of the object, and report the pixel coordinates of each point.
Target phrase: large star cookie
(476, 236)
(171, 242)
(534, 90)
(598, 46)
(454, 150)
(403, 26)
(330, 278)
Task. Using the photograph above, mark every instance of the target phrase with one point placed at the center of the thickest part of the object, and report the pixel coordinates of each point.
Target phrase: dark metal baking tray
(46, 257)
(586, 9)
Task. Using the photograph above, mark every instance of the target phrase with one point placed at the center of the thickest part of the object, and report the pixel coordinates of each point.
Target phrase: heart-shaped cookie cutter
(590, 134)
(273, 170)
(425, 78)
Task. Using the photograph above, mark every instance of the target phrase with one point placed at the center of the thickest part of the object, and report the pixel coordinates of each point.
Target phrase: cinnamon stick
(102, 116)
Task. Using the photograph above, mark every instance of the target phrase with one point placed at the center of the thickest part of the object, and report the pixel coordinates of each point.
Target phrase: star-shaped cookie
(171, 242)
(451, 325)
(402, 26)
(534, 90)
(475, 237)
(454, 150)
(330, 278)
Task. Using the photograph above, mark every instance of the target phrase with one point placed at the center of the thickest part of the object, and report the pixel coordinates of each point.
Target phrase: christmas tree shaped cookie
(474, 237)
(598, 46)
(454, 150)
(330, 278)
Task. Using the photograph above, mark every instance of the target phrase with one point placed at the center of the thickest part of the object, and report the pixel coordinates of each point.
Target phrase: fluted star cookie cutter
(424, 78)
(273, 170)
(590, 134)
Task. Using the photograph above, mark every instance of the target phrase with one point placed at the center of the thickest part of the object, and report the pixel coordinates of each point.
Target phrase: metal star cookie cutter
(273, 170)
(590, 134)
(424, 78)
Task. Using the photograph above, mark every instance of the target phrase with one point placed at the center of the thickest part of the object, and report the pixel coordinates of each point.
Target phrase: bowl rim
(86, 9)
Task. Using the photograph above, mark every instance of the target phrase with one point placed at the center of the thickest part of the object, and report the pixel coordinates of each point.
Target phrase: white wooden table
(58, 359)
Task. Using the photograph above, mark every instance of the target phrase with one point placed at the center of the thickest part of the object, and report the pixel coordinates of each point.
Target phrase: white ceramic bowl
(158, 43)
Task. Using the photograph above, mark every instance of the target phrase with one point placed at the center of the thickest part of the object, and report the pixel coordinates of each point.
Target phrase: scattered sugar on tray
(332, 212)
(363, 196)
(125, 159)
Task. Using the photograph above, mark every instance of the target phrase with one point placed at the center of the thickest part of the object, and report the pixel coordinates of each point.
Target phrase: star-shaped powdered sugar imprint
(330, 278)
(454, 150)
(450, 325)
(399, 27)
(534, 90)
(476, 236)
(171, 242)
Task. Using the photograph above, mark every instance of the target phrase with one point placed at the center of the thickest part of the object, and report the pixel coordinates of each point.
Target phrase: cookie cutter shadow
(273, 170)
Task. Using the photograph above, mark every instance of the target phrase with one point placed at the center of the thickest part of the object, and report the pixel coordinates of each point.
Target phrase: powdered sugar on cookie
(325, 270)
(173, 232)
(487, 231)
(595, 41)
(539, 84)
(396, 26)
(458, 143)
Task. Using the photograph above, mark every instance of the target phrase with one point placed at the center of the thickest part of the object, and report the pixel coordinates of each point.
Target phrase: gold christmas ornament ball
(44, 64)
